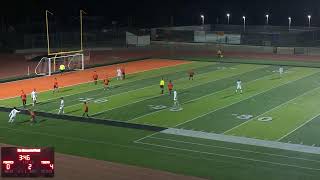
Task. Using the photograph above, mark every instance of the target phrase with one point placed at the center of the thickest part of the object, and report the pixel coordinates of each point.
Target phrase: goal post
(50, 65)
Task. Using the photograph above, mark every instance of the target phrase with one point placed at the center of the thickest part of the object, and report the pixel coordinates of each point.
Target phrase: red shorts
(170, 89)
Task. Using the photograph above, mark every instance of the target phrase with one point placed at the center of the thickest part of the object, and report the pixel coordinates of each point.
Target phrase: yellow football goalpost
(69, 57)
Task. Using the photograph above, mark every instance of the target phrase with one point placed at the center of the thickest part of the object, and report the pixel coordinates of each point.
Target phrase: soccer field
(270, 131)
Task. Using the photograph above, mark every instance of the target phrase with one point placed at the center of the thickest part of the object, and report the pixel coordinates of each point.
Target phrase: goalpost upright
(63, 54)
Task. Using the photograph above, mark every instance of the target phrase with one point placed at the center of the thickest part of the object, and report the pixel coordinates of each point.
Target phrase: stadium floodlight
(290, 20)
(267, 17)
(309, 19)
(202, 18)
(244, 22)
(228, 17)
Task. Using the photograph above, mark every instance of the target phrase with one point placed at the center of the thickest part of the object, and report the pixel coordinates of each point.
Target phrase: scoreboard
(27, 162)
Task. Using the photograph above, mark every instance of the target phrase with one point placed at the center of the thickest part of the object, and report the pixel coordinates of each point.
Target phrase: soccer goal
(50, 65)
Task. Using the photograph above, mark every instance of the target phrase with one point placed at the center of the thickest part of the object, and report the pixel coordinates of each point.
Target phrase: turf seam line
(300, 126)
(240, 100)
(92, 120)
(229, 156)
(92, 81)
(159, 95)
(197, 98)
(234, 149)
(274, 108)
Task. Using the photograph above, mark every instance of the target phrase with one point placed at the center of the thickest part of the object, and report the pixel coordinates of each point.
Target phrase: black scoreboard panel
(27, 162)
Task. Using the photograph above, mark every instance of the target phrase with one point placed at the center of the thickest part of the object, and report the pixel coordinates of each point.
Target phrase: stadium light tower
(267, 17)
(202, 19)
(228, 17)
(289, 18)
(244, 23)
(81, 28)
(309, 19)
(47, 28)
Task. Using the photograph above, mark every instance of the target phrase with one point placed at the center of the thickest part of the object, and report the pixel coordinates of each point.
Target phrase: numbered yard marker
(99, 101)
(85, 99)
(265, 119)
(157, 107)
(245, 116)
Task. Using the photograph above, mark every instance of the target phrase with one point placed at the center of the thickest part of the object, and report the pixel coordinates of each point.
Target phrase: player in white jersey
(281, 71)
(119, 74)
(239, 87)
(175, 99)
(61, 109)
(34, 97)
(13, 114)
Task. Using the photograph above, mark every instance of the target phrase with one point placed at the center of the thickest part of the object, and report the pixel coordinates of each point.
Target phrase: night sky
(151, 13)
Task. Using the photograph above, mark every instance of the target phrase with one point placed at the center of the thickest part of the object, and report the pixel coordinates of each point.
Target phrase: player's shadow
(228, 96)
(23, 122)
(77, 110)
(275, 78)
(65, 90)
(41, 121)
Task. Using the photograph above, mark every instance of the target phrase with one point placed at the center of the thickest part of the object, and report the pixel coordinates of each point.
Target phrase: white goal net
(51, 65)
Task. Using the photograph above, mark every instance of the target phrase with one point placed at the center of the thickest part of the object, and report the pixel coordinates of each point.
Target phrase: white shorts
(239, 87)
(34, 99)
(61, 107)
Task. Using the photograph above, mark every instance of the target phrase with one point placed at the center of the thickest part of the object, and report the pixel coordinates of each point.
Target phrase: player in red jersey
(55, 85)
(95, 77)
(123, 73)
(32, 115)
(106, 83)
(85, 109)
(170, 87)
(191, 74)
(23, 98)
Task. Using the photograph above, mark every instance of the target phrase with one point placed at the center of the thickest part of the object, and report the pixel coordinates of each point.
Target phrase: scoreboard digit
(27, 162)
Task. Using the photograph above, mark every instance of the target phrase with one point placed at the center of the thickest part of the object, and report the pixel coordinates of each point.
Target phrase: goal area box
(50, 64)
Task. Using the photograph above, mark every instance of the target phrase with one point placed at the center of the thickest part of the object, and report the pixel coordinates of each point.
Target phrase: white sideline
(243, 140)
(229, 156)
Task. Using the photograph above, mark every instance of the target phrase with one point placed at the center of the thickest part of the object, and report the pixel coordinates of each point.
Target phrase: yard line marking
(87, 82)
(235, 149)
(232, 157)
(158, 95)
(197, 98)
(274, 108)
(298, 127)
(237, 102)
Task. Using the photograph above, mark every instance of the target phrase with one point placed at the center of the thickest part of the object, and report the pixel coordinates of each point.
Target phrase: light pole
(81, 29)
(267, 16)
(309, 18)
(289, 23)
(47, 28)
(244, 23)
(202, 18)
(228, 17)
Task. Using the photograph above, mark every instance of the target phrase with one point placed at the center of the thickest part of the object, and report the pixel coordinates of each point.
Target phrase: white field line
(274, 108)
(235, 149)
(232, 157)
(195, 99)
(158, 95)
(90, 81)
(266, 90)
(151, 150)
(303, 124)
